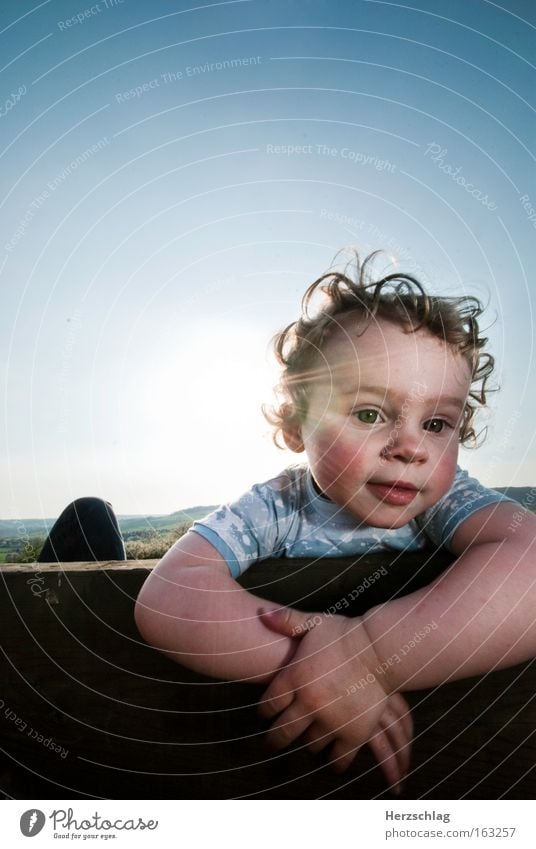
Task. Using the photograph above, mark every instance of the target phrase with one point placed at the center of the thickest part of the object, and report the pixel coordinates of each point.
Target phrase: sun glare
(198, 410)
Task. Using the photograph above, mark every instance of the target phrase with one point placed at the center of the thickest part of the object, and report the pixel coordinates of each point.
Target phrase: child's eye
(435, 425)
(367, 416)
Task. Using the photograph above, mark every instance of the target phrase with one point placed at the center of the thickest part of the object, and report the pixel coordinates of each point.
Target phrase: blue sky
(174, 176)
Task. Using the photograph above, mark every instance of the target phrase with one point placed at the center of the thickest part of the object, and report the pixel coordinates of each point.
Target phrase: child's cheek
(338, 456)
(349, 455)
(445, 470)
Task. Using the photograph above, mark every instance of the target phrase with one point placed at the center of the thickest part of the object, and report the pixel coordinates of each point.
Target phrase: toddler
(380, 385)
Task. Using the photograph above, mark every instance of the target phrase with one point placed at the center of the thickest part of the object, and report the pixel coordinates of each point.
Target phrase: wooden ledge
(86, 566)
(87, 709)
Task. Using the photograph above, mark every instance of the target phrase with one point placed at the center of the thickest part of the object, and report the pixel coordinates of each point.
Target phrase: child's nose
(407, 444)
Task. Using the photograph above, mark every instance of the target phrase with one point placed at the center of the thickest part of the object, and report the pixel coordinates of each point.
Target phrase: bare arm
(478, 616)
(482, 607)
(192, 610)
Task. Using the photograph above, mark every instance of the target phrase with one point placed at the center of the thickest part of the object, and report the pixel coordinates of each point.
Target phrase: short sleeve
(464, 498)
(246, 530)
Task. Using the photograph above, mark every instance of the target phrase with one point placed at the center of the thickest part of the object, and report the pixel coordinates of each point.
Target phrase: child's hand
(329, 692)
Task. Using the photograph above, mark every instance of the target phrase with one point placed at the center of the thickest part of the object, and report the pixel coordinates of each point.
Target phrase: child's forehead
(382, 348)
(352, 337)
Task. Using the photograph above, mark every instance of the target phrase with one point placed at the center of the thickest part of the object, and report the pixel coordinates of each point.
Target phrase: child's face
(385, 409)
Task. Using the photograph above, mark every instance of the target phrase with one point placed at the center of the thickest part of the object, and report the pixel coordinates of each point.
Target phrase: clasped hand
(330, 693)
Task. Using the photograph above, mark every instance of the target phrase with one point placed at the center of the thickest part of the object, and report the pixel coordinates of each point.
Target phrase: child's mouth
(393, 493)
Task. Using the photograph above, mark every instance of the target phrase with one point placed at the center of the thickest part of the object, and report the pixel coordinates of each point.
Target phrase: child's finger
(287, 622)
(317, 738)
(342, 755)
(400, 745)
(399, 731)
(407, 722)
(397, 722)
(398, 703)
(387, 759)
(393, 726)
(276, 698)
(287, 728)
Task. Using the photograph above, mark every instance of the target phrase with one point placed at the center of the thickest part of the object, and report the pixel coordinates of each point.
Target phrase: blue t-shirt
(287, 517)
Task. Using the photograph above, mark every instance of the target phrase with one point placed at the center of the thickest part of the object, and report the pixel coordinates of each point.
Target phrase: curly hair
(398, 298)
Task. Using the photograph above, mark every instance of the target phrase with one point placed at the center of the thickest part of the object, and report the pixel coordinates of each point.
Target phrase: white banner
(268, 824)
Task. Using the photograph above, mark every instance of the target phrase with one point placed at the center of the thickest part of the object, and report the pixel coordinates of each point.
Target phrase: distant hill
(22, 527)
(131, 524)
(10, 528)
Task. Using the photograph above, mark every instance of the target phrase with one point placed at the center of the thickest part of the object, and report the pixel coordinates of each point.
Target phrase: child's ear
(292, 436)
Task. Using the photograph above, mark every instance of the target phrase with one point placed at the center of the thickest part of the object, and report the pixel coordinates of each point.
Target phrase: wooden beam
(87, 709)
